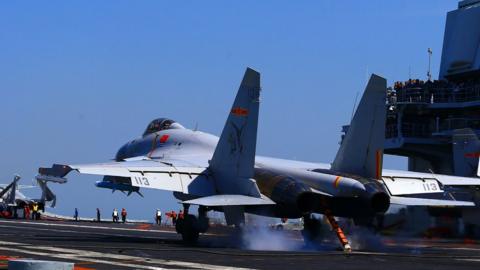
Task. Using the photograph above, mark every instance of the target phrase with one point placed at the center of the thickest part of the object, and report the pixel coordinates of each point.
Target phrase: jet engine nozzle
(377, 196)
(380, 202)
(286, 191)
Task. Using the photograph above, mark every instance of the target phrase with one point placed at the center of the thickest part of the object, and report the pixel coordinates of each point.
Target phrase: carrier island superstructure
(426, 118)
(435, 123)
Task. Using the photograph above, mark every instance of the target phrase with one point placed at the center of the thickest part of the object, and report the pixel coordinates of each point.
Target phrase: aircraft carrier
(422, 122)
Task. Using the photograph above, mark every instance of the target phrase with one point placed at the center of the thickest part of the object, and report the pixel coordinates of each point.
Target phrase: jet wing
(411, 184)
(427, 202)
(146, 173)
(446, 180)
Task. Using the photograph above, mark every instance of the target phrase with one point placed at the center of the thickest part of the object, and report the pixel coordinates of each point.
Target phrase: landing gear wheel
(187, 227)
(312, 229)
(202, 223)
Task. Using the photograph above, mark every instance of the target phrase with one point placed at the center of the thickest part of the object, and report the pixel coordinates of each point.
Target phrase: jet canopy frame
(159, 124)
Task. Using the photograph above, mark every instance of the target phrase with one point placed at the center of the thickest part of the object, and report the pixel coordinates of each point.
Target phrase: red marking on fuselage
(378, 164)
(239, 111)
(473, 155)
(164, 138)
(337, 181)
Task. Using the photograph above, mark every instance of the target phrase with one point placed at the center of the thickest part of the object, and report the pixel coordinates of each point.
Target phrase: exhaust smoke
(261, 236)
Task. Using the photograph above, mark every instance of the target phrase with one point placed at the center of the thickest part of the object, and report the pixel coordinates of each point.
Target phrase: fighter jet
(11, 199)
(224, 174)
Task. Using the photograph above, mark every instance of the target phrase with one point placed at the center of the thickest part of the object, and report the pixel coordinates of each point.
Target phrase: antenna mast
(429, 73)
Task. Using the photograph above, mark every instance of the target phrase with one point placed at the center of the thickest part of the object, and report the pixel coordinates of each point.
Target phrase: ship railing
(425, 130)
(458, 123)
(435, 95)
(412, 130)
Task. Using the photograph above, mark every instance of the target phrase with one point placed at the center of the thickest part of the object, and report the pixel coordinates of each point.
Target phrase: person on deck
(124, 215)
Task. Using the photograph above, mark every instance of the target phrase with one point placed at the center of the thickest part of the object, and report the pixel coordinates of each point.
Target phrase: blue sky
(80, 78)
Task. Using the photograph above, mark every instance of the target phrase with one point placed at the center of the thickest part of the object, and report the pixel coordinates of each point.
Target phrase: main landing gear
(190, 226)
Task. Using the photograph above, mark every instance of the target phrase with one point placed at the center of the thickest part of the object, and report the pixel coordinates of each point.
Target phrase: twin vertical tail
(47, 193)
(361, 151)
(233, 161)
(11, 189)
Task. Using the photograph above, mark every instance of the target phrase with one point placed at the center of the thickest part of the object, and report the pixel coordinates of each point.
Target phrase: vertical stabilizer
(10, 191)
(361, 151)
(233, 161)
(47, 194)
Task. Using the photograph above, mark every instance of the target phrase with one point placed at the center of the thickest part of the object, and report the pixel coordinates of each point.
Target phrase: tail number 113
(141, 181)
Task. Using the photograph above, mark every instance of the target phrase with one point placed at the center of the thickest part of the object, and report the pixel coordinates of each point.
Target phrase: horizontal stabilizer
(445, 180)
(230, 200)
(57, 170)
(427, 202)
(409, 186)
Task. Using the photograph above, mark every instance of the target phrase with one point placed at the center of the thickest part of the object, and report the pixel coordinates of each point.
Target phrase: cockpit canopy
(160, 124)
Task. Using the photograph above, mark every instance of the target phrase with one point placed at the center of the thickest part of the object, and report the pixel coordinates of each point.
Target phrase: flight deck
(144, 246)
